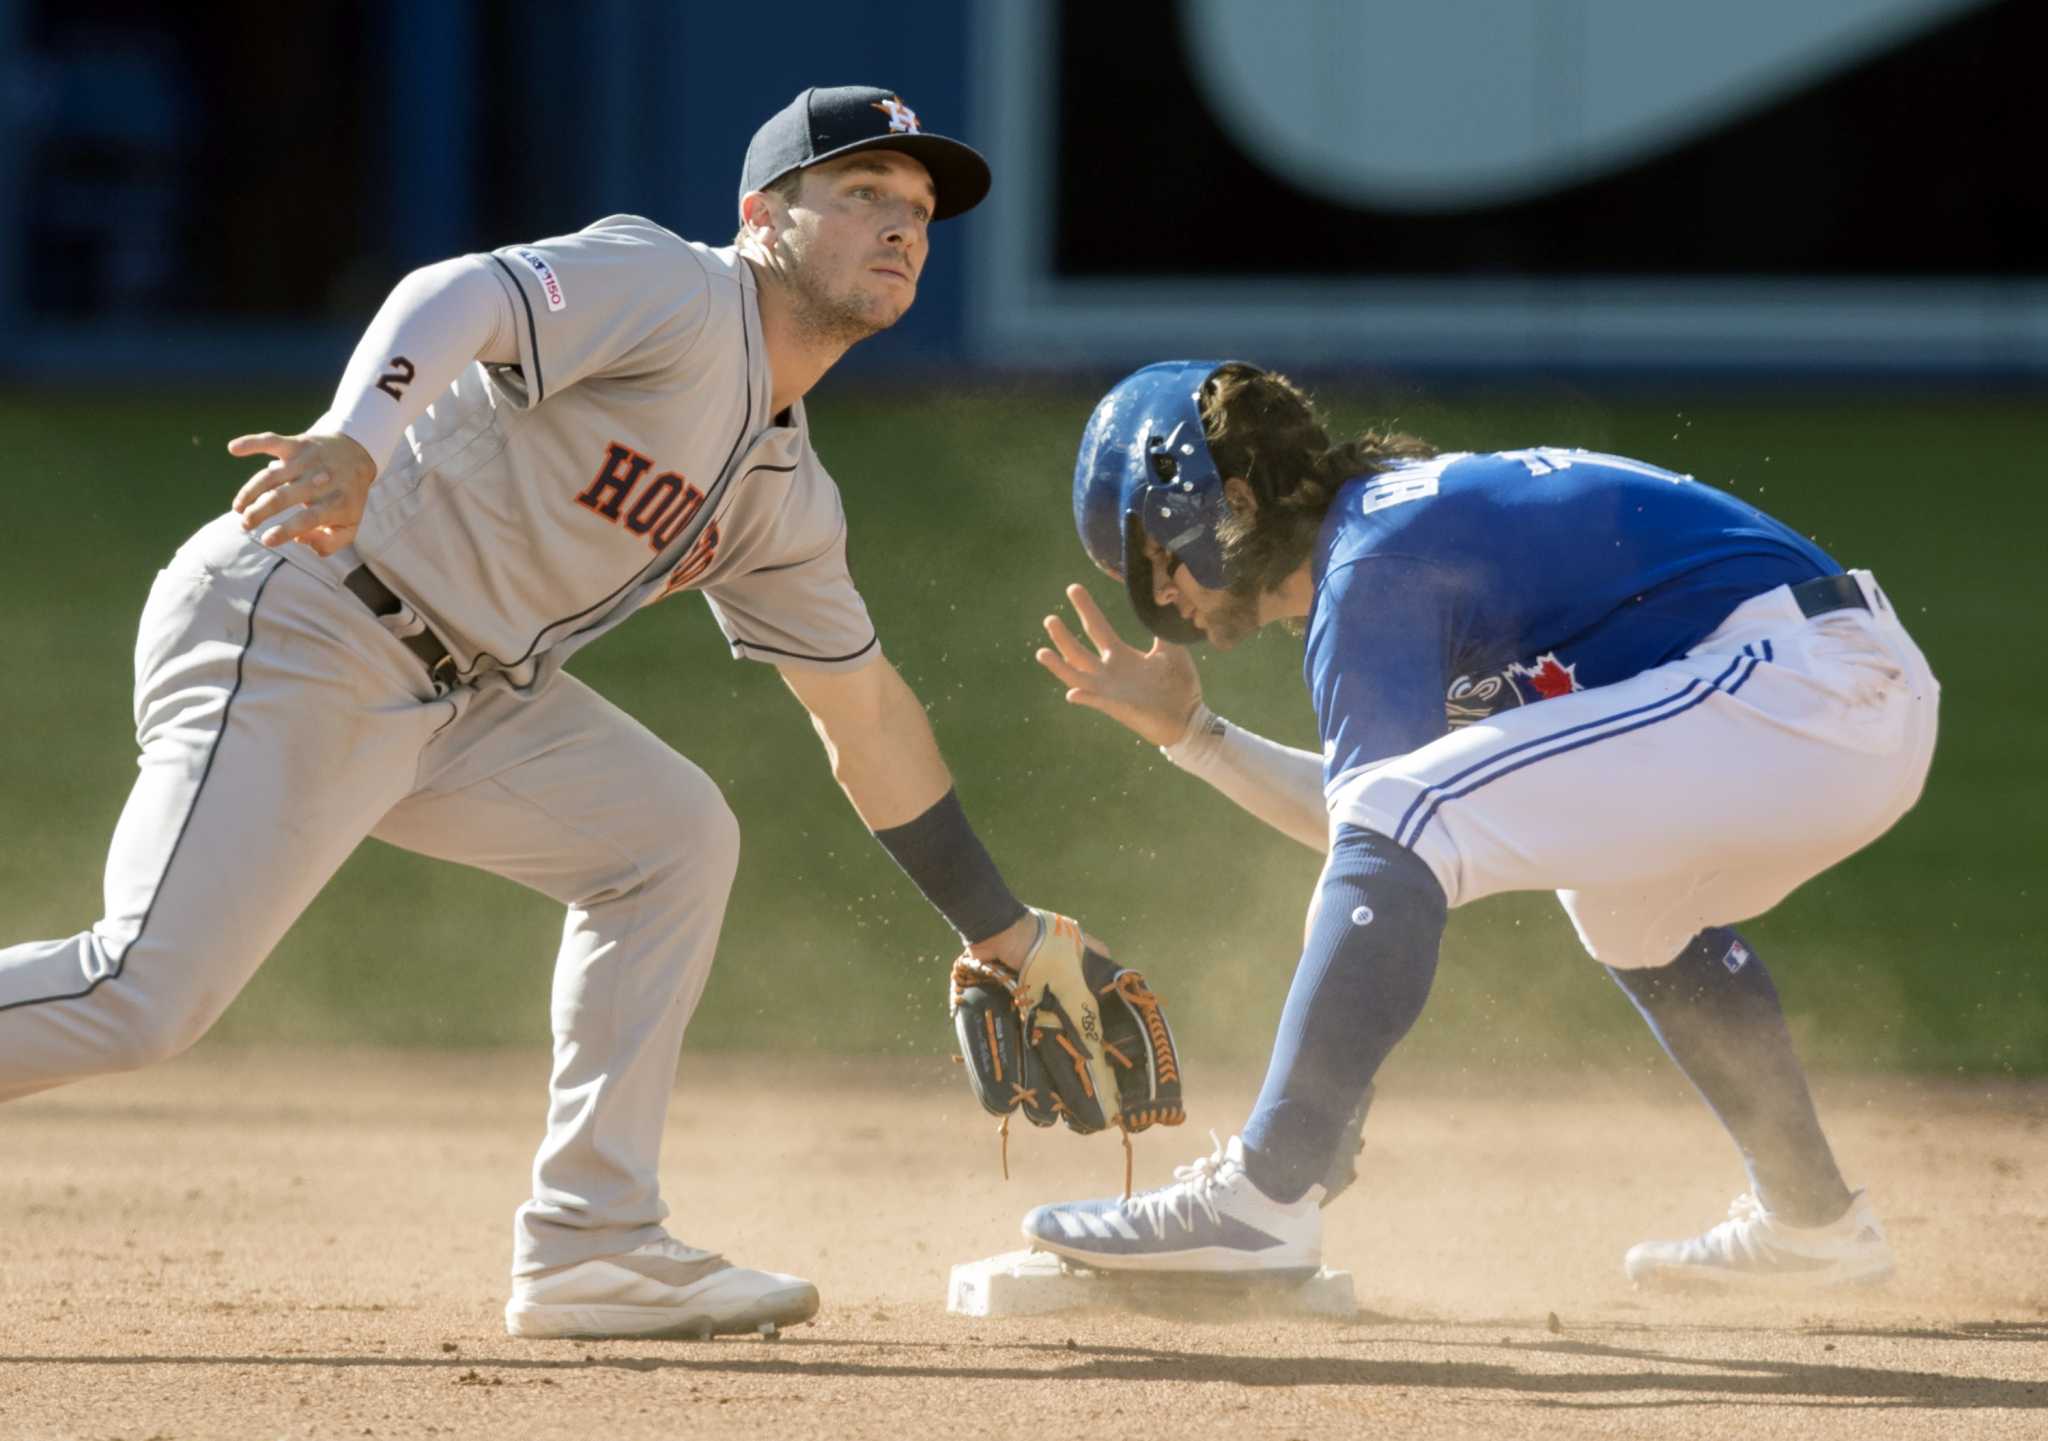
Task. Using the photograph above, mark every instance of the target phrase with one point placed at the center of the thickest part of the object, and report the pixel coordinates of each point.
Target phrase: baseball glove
(1071, 1037)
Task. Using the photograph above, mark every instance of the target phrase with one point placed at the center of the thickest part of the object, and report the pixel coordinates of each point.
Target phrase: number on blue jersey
(1416, 481)
(1547, 459)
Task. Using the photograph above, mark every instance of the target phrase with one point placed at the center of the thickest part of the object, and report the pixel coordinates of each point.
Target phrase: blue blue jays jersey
(1449, 589)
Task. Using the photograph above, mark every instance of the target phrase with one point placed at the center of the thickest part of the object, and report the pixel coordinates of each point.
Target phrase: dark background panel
(244, 161)
(1921, 161)
(196, 160)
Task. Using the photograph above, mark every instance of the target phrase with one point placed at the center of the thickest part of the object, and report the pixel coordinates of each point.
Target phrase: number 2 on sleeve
(394, 381)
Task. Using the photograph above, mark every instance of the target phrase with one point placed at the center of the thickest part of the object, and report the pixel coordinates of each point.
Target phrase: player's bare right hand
(312, 492)
(1152, 692)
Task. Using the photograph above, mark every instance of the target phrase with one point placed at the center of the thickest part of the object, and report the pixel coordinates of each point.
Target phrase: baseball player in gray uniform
(527, 447)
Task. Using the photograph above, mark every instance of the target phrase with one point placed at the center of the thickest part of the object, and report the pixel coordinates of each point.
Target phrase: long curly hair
(1263, 427)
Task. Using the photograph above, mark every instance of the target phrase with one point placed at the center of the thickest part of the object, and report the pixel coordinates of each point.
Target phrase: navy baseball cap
(825, 123)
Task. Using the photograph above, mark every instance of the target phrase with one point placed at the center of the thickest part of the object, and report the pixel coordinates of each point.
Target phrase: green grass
(1925, 953)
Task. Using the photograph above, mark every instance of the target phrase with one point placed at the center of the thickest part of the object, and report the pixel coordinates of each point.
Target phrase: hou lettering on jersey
(661, 510)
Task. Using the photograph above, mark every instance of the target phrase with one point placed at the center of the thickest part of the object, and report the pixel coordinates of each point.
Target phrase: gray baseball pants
(279, 725)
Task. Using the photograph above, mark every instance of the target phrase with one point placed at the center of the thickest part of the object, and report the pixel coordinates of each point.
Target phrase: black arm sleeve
(942, 854)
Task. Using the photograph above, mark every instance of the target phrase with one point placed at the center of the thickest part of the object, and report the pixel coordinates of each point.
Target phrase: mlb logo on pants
(1737, 957)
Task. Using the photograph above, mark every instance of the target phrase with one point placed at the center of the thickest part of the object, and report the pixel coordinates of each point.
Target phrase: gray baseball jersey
(625, 458)
(627, 455)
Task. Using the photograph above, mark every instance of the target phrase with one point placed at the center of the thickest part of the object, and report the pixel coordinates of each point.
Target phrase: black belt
(423, 643)
(1828, 592)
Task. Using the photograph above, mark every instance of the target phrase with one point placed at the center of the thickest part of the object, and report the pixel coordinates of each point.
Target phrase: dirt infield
(261, 1244)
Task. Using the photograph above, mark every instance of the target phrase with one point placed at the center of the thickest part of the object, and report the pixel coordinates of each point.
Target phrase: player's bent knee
(698, 843)
(1627, 931)
(158, 1034)
(718, 838)
(1396, 870)
(1383, 802)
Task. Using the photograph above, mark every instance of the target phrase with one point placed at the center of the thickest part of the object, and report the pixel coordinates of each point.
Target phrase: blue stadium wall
(1496, 187)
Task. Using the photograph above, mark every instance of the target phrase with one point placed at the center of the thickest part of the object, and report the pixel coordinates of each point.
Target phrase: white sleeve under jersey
(435, 324)
(1280, 785)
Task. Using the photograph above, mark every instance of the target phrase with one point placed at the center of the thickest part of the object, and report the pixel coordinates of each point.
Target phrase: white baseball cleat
(1212, 1221)
(1753, 1246)
(662, 1289)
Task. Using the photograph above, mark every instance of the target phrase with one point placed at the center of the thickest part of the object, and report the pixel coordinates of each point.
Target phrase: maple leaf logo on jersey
(1548, 676)
(901, 117)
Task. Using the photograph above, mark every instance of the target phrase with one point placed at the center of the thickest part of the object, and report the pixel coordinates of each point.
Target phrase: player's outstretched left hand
(313, 492)
(1152, 692)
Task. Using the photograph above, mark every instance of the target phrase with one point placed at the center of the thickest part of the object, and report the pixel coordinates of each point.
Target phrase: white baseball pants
(280, 724)
(1698, 793)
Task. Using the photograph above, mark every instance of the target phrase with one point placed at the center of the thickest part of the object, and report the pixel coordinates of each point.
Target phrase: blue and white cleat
(1212, 1221)
(1753, 1247)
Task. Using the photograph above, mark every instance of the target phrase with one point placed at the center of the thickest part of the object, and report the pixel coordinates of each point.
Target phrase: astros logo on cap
(901, 116)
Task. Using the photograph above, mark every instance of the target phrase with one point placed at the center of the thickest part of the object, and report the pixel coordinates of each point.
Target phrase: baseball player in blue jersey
(1538, 669)
(528, 447)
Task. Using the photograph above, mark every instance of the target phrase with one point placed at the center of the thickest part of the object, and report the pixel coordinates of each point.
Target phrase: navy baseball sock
(1717, 1015)
(1363, 977)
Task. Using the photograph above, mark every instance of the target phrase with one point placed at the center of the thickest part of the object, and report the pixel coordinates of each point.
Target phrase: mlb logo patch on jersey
(550, 285)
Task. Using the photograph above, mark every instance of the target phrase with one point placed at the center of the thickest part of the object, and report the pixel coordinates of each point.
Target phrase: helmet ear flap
(1162, 621)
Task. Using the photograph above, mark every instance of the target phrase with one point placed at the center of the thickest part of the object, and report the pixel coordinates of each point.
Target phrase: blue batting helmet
(1145, 470)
